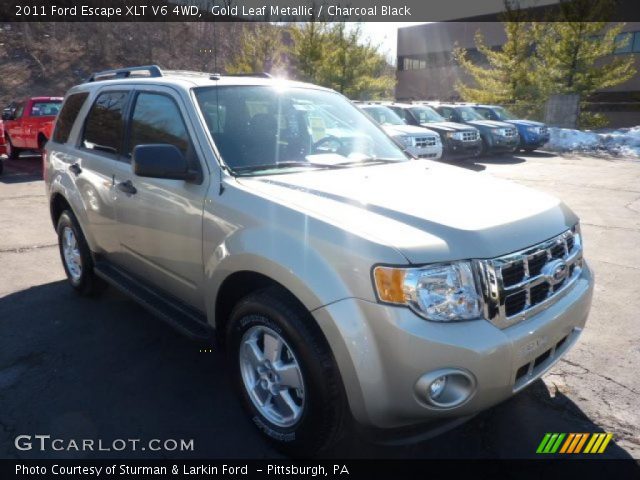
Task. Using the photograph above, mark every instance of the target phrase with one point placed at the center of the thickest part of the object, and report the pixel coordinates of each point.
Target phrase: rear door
(15, 127)
(160, 220)
(93, 164)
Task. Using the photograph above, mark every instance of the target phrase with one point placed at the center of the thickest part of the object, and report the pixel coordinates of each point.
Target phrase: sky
(386, 34)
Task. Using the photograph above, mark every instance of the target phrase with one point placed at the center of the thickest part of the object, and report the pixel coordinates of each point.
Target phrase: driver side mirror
(161, 161)
(7, 116)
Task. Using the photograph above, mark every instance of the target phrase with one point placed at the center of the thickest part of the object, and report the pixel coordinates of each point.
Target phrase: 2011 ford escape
(346, 279)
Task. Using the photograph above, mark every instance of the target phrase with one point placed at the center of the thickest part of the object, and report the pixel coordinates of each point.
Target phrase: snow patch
(624, 142)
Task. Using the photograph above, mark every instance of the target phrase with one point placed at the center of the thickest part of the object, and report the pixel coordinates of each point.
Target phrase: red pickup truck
(30, 124)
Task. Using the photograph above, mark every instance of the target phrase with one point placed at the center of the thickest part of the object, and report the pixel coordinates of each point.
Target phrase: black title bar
(295, 10)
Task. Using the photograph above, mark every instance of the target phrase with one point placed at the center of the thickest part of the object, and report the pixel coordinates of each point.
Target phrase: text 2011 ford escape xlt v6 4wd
(347, 280)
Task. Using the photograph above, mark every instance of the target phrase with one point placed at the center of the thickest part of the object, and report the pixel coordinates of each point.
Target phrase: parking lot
(74, 367)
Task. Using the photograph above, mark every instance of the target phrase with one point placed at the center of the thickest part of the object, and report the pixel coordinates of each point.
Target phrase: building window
(624, 43)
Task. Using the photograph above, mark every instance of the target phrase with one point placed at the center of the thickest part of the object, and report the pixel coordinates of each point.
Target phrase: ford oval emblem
(555, 271)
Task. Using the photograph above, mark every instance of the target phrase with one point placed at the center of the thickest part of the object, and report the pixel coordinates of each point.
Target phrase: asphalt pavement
(74, 367)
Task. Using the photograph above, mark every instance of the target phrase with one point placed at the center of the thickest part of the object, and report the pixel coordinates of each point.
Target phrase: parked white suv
(346, 280)
(418, 141)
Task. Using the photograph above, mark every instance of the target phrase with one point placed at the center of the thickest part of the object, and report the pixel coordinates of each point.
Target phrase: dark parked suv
(532, 134)
(497, 137)
(458, 141)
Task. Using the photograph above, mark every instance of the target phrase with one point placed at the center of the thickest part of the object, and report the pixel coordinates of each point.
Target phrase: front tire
(285, 373)
(12, 152)
(76, 256)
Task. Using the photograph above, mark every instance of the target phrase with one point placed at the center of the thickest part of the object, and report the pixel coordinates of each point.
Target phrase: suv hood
(526, 123)
(447, 126)
(490, 124)
(428, 211)
(412, 130)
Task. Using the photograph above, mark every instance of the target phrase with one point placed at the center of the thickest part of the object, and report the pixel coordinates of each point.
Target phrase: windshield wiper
(277, 166)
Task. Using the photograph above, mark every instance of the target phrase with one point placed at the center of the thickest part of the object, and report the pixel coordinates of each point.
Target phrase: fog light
(437, 387)
(446, 388)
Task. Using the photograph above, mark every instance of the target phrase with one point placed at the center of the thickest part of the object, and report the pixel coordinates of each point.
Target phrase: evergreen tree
(505, 77)
(308, 48)
(262, 49)
(569, 53)
(351, 66)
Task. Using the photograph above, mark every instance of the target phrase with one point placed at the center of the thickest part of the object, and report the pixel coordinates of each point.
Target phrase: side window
(447, 113)
(68, 116)
(18, 111)
(157, 119)
(104, 125)
(486, 113)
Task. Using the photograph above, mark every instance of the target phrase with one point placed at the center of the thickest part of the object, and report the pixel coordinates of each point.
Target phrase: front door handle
(75, 169)
(127, 187)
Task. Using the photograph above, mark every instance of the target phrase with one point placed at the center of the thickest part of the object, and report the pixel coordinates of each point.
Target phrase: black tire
(12, 152)
(529, 149)
(1, 166)
(86, 283)
(484, 148)
(323, 412)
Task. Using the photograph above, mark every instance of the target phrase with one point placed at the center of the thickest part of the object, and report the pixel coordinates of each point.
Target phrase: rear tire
(292, 391)
(76, 256)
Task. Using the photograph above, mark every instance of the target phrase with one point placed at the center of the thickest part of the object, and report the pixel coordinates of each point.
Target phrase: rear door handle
(127, 187)
(75, 169)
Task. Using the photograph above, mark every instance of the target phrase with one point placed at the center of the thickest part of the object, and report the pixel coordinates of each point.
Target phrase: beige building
(426, 70)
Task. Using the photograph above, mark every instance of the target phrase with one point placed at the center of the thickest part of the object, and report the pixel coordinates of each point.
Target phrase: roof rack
(153, 71)
(217, 76)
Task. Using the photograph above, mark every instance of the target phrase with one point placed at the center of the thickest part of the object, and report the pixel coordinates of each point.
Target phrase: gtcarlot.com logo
(45, 443)
(573, 443)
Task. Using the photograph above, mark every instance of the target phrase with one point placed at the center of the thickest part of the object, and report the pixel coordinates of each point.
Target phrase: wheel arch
(238, 285)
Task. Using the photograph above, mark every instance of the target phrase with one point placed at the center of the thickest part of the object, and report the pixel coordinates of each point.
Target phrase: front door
(160, 220)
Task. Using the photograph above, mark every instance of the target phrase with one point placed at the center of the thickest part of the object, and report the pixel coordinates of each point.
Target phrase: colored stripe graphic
(573, 443)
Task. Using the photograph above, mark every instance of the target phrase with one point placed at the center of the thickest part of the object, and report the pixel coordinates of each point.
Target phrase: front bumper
(503, 144)
(433, 151)
(533, 141)
(382, 351)
(460, 149)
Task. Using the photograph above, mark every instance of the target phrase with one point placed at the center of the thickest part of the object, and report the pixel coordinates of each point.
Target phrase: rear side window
(104, 125)
(68, 116)
(157, 119)
(40, 109)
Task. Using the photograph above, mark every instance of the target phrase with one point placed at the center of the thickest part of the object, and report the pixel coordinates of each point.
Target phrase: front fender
(296, 265)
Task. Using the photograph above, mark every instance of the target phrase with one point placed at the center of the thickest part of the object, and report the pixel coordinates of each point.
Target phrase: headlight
(405, 140)
(441, 293)
(498, 131)
(455, 135)
(535, 130)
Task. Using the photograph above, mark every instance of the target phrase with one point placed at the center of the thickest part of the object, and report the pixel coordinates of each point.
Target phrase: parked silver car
(346, 281)
(418, 141)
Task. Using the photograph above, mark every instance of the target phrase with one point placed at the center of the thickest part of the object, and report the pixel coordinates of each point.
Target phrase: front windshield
(504, 114)
(267, 129)
(468, 114)
(384, 115)
(426, 115)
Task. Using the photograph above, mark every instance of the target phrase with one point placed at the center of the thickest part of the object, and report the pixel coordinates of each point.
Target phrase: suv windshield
(268, 129)
(504, 114)
(426, 115)
(384, 115)
(468, 114)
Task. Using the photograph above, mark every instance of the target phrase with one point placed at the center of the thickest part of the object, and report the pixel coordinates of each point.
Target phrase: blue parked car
(532, 134)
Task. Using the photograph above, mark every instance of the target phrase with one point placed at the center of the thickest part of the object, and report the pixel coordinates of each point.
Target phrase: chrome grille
(422, 142)
(544, 130)
(469, 136)
(509, 132)
(520, 284)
